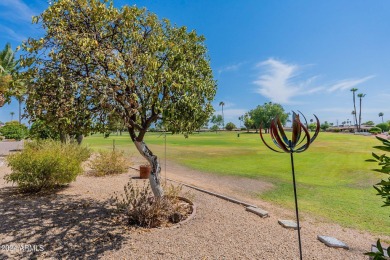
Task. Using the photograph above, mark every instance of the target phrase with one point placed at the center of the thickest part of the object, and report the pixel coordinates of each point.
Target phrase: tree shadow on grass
(53, 225)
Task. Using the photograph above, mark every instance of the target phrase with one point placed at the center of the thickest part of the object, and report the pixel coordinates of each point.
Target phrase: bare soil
(77, 223)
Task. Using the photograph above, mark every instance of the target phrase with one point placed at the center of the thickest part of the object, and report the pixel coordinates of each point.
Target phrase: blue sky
(305, 55)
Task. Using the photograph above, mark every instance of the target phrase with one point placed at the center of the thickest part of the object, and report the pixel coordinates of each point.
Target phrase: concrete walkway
(8, 146)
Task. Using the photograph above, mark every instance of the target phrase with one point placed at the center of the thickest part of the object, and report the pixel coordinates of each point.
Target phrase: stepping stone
(374, 249)
(288, 224)
(258, 211)
(332, 242)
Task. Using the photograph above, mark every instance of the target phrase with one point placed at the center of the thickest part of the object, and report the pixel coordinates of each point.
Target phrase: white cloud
(16, 10)
(348, 83)
(233, 67)
(280, 83)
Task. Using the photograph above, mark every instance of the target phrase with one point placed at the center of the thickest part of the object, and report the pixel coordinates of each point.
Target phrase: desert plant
(108, 163)
(383, 188)
(142, 209)
(380, 254)
(45, 165)
(14, 130)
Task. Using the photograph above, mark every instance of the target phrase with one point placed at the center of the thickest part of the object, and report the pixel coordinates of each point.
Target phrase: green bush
(383, 126)
(109, 162)
(44, 165)
(14, 130)
(375, 130)
(383, 188)
(230, 126)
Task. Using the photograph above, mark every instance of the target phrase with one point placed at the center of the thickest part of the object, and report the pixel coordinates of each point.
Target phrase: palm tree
(354, 106)
(223, 118)
(12, 115)
(360, 96)
(381, 115)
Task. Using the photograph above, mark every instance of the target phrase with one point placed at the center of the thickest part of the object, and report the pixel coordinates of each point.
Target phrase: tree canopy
(262, 115)
(96, 60)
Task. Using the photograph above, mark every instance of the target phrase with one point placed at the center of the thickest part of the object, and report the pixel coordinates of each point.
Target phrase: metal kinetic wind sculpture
(300, 142)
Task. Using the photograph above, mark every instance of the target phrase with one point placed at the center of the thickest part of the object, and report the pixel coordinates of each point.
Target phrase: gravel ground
(76, 223)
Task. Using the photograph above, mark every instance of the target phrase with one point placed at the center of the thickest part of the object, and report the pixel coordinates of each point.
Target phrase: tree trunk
(355, 115)
(64, 138)
(154, 177)
(79, 138)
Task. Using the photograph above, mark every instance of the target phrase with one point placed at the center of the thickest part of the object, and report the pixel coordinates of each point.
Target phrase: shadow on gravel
(59, 226)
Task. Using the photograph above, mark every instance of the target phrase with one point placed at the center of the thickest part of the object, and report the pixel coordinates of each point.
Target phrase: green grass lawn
(333, 179)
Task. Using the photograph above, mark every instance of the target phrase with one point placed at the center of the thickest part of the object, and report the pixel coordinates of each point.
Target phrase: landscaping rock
(258, 211)
(374, 249)
(288, 224)
(332, 242)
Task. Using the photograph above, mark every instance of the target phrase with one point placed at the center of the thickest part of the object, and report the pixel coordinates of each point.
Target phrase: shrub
(45, 165)
(230, 126)
(383, 126)
(375, 130)
(383, 188)
(142, 209)
(109, 162)
(14, 130)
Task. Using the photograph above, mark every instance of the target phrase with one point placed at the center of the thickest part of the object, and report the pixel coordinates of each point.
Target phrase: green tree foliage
(324, 126)
(96, 60)
(312, 126)
(40, 130)
(45, 165)
(10, 81)
(217, 120)
(381, 115)
(369, 123)
(248, 122)
(230, 126)
(14, 130)
(262, 115)
(383, 126)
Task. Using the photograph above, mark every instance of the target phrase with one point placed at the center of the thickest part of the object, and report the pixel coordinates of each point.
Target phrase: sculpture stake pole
(296, 203)
(299, 143)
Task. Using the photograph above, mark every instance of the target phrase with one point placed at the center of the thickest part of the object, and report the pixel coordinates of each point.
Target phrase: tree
(354, 107)
(262, 115)
(8, 73)
(12, 115)
(324, 126)
(230, 126)
(217, 121)
(119, 61)
(369, 123)
(248, 122)
(360, 96)
(381, 115)
(14, 130)
(223, 118)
